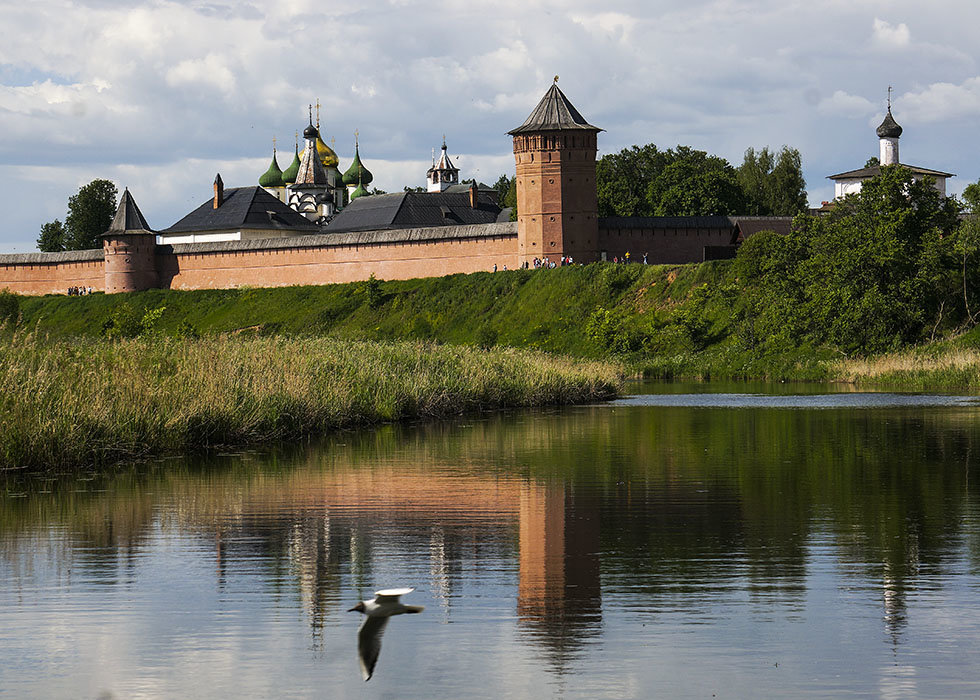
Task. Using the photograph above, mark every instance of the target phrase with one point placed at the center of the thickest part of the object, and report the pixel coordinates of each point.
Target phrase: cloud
(843, 104)
(888, 36)
(943, 102)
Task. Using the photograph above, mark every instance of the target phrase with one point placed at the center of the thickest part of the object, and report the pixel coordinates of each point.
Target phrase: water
(691, 541)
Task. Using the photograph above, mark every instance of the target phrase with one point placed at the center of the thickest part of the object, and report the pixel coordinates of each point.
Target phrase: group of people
(79, 291)
(539, 263)
(626, 258)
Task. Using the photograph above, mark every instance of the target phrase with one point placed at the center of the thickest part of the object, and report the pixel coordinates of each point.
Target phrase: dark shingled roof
(876, 170)
(889, 128)
(244, 208)
(128, 218)
(414, 210)
(554, 113)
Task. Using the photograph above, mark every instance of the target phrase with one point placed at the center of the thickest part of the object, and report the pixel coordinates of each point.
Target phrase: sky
(160, 96)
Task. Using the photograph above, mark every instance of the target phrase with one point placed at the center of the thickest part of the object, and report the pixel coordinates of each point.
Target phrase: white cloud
(890, 36)
(843, 104)
(942, 102)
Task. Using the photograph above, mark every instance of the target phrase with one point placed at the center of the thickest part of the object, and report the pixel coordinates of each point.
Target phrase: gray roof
(128, 218)
(876, 170)
(414, 210)
(554, 113)
(244, 208)
(889, 128)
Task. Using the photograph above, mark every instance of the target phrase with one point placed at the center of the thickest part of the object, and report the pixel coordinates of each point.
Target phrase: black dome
(889, 128)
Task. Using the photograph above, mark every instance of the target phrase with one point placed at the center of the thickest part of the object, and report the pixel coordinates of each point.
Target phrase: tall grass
(928, 367)
(85, 401)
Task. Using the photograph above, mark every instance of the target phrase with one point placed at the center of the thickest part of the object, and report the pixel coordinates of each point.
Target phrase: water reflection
(589, 533)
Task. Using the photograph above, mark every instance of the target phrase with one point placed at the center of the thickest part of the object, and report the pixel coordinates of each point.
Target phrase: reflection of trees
(686, 506)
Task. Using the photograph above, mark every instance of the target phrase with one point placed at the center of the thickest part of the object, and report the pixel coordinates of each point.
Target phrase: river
(686, 541)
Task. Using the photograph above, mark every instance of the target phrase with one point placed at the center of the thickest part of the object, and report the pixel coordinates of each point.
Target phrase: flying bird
(376, 613)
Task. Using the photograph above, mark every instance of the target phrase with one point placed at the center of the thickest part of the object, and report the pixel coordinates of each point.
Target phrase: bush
(9, 307)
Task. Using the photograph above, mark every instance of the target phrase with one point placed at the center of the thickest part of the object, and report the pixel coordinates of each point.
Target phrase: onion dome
(889, 128)
(310, 132)
(359, 192)
(327, 155)
(273, 176)
(290, 174)
(357, 173)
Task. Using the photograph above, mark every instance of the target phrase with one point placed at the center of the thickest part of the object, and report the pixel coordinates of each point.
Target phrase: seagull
(376, 613)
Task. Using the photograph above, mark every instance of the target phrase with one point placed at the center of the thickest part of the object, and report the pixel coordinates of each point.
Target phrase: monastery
(312, 224)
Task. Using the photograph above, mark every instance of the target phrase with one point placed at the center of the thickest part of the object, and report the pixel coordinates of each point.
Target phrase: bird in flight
(376, 613)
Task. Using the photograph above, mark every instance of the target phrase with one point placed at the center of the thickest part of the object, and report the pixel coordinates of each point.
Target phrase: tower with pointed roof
(443, 174)
(555, 150)
(888, 134)
(272, 179)
(130, 250)
(357, 177)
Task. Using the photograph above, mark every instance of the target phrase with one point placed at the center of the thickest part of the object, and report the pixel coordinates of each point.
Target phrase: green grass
(93, 401)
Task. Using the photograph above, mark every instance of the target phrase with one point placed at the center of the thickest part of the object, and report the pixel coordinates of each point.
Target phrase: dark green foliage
(773, 183)
(877, 273)
(126, 321)
(9, 307)
(486, 337)
(372, 288)
(90, 213)
(52, 238)
(872, 162)
(697, 184)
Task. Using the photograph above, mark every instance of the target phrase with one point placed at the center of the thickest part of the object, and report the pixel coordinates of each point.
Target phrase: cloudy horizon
(159, 96)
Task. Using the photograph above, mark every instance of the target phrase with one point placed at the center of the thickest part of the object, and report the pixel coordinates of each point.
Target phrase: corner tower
(554, 150)
(130, 250)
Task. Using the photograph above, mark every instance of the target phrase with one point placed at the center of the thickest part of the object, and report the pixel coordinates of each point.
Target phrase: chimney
(219, 191)
(473, 193)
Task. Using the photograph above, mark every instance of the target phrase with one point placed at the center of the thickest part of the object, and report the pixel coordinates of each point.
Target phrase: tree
(623, 180)
(773, 184)
(872, 162)
(90, 212)
(52, 238)
(967, 245)
(696, 184)
(502, 185)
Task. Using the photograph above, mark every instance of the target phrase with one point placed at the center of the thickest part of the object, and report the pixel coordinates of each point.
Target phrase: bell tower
(555, 150)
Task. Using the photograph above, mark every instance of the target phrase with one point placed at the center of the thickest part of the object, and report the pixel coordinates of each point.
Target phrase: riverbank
(89, 401)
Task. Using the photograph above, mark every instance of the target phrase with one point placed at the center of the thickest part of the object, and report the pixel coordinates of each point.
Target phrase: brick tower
(130, 250)
(555, 151)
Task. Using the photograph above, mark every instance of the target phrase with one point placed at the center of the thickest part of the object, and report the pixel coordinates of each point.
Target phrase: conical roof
(889, 128)
(290, 174)
(357, 173)
(128, 218)
(554, 113)
(273, 176)
(444, 163)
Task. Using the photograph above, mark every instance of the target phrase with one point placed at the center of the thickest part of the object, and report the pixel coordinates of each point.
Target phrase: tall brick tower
(555, 151)
(130, 250)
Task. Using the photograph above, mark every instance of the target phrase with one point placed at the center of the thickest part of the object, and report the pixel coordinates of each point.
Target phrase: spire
(128, 218)
(273, 176)
(357, 173)
(554, 113)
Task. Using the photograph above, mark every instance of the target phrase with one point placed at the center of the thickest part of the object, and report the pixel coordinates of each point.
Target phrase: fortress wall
(52, 273)
(674, 242)
(335, 258)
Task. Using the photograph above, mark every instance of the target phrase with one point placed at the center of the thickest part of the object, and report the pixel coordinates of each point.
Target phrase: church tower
(888, 134)
(555, 151)
(310, 194)
(443, 174)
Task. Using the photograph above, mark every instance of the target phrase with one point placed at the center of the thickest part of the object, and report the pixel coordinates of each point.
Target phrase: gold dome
(327, 155)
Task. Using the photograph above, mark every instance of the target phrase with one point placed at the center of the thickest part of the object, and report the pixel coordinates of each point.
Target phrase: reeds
(920, 368)
(87, 401)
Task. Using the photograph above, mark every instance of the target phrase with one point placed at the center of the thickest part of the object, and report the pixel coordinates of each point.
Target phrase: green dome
(273, 176)
(292, 172)
(359, 192)
(357, 173)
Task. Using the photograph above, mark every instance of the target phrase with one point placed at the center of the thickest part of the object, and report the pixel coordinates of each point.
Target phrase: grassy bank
(93, 401)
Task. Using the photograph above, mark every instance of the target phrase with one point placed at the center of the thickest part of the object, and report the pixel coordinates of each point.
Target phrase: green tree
(90, 213)
(9, 307)
(502, 186)
(967, 245)
(52, 238)
(623, 180)
(696, 184)
(510, 199)
(773, 183)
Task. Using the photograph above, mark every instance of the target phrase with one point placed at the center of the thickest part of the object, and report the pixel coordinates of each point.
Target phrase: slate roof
(876, 170)
(244, 208)
(128, 218)
(554, 113)
(415, 210)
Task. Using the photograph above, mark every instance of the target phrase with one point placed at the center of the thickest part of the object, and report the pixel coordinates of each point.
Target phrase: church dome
(359, 192)
(273, 176)
(327, 155)
(310, 132)
(292, 172)
(889, 128)
(357, 173)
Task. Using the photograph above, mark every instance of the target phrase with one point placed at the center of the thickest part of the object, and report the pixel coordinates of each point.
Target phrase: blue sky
(159, 96)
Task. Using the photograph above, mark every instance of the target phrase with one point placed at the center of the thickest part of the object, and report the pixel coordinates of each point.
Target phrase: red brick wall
(277, 267)
(51, 277)
(662, 245)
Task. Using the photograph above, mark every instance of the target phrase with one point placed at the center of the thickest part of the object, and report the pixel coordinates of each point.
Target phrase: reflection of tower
(559, 594)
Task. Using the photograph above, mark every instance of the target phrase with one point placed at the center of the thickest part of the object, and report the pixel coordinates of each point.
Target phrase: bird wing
(369, 644)
(391, 595)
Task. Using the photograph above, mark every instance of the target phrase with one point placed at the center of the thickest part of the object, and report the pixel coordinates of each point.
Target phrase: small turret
(443, 174)
(130, 249)
(888, 134)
